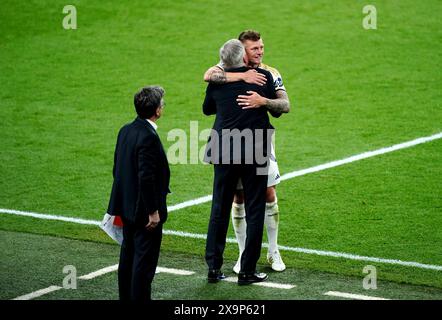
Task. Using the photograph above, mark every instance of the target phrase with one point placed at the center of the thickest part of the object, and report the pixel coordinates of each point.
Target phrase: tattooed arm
(217, 75)
(279, 105)
(276, 106)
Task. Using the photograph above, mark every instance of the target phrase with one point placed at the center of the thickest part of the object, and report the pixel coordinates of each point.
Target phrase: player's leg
(271, 220)
(255, 186)
(239, 223)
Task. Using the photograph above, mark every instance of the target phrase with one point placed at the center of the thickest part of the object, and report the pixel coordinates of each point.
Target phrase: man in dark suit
(141, 183)
(233, 148)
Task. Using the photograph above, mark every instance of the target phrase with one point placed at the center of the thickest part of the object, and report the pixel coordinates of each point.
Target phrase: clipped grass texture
(25, 249)
(65, 94)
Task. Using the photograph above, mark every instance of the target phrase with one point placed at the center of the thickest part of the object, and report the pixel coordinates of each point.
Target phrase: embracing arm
(279, 105)
(276, 106)
(217, 75)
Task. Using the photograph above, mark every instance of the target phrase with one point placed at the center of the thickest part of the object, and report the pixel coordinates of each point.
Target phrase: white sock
(239, 225)
(271, 221)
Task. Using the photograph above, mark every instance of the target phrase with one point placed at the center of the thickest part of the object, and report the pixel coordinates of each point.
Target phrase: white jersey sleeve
(277, 78)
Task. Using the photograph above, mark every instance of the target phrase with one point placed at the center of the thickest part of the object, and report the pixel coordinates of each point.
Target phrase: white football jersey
(277, 79)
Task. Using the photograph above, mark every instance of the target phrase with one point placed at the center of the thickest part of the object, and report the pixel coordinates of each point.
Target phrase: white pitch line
(362, 156)
(50, 217)
(99, 273)
(264, 284)
(38, 293)
(362, 258)
(114, 267)
(352, 296)
(179, 272)
(265, 245)
(190, 235)
(96, 274)
(328, 165)
(190, 203)
(287, 176)
(333, 254)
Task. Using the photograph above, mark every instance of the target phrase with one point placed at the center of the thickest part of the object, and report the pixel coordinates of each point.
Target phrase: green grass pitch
(65, 93)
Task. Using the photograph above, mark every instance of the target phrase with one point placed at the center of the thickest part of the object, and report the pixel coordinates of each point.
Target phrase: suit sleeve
(209, 105)
(115, 161)
(148, 155)
(115, 154)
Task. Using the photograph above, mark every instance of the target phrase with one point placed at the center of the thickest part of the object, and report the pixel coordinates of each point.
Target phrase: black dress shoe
(244, 279)
(215, 275)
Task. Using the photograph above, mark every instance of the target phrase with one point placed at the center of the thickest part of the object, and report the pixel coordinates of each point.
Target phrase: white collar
(153, 124)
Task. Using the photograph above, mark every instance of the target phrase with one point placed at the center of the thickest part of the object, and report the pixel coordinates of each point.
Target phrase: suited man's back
(221, 100)
(239, 158)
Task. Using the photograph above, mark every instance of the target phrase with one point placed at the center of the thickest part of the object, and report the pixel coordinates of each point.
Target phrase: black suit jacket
(220, 99)
(141, 174)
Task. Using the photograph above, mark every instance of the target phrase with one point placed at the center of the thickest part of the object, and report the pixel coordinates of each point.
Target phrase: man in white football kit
(255, 49)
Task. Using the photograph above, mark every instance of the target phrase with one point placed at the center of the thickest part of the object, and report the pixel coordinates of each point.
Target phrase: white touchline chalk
(352, 296)
(286, 176)
(38, 293)
(265, 284)
(179, 272)
(100, 272)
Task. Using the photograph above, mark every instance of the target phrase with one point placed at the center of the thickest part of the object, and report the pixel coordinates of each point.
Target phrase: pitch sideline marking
(287, 176)
(38, 293)
(113, 268)
(352, 296)
(99, 273)
(50, 217)
(178, 272)
(328, 165)
(264, 284)
(334, 254)
(361, 156)
(299, 250)
(96, 274)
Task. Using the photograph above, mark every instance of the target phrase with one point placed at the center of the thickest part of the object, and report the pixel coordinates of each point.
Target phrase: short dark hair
(147, 101)
(252, 35)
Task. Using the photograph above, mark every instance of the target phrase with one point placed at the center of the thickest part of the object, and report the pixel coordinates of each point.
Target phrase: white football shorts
(274, 176)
